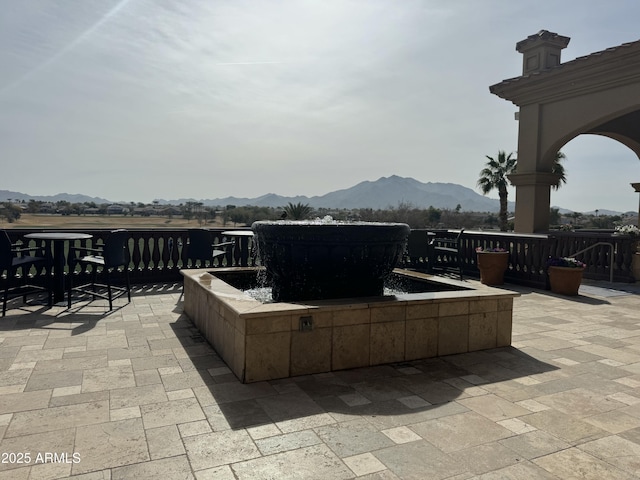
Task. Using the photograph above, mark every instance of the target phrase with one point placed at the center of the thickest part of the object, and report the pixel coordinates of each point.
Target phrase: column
(533, 197)
(636, 187)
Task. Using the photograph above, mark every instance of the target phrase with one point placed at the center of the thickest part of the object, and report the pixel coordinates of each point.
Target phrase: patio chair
(104, 261)
(417, 252)
(13, 258)
(445, 254)
(202, 248)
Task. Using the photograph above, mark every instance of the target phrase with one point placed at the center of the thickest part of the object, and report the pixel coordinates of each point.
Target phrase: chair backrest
(455, 242)
(200, 244)
(446, 241)
(5, 251)
(418, 244)
(116, 249)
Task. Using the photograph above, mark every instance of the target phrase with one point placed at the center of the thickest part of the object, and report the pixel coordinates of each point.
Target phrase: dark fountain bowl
(325, 259)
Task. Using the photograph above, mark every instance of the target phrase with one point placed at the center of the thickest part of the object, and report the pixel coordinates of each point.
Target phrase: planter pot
(565, 280)
(492, 266)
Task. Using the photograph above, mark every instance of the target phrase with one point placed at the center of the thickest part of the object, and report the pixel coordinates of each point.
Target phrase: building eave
(574, 78)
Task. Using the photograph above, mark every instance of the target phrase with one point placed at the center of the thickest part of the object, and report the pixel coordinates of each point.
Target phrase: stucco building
(596, 94)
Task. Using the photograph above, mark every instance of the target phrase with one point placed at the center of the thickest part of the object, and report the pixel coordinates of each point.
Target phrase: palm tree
(494, 176)
(298, 211)
(558, 169)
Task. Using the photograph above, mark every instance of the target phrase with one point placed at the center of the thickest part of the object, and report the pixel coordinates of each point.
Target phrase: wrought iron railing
(158, 255)
(529, 254)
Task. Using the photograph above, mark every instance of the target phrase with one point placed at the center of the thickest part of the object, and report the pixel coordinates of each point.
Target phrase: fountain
(330, 312)
(326, 259)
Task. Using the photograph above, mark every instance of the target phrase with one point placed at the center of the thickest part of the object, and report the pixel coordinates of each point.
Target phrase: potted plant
(630, 230)
(492, 263)
(565, 275)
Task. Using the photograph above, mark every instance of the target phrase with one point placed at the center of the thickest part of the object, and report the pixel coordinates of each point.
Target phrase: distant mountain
(601, 212)
(60, 197)
(382, 193)
(391, 191)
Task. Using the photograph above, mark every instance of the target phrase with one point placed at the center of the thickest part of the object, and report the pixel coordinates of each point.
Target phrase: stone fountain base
(266, 341)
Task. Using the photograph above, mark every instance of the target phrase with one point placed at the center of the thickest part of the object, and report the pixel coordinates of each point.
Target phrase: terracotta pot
(492, 266)
(565, 280)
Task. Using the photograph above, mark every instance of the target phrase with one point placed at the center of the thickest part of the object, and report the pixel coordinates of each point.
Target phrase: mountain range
(383, 193)
(6, 195)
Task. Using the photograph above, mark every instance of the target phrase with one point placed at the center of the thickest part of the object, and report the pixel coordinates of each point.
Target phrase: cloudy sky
(135, 100)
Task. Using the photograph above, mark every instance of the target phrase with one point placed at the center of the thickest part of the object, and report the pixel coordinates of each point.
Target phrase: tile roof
(607, 53)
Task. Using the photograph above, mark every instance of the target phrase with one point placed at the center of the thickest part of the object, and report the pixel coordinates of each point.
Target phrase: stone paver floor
(137, 393)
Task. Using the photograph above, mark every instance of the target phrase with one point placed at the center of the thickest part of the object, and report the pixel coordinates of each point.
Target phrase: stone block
(453, 334)
(267, 324)
(267, 356)
(505, 304)
(504, 327)
(387, 342)
(351, 316)
(483, 305)
(482, 330)
(238, 363)
(388, 313)
(350, 347)
(450, 309)
(421, 338)
(228, 341)
(422, 310)
(311, 351)
(217, 331)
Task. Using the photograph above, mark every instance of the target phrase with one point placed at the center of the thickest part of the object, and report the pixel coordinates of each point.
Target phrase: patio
(138, 393)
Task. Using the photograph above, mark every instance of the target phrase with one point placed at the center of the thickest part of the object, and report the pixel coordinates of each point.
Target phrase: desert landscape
(31, 220)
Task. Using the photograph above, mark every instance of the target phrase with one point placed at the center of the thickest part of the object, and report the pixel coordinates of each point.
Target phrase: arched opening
(603, 167)
(621, 126)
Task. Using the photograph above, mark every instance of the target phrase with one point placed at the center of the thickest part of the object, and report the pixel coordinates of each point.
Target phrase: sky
(137, 100)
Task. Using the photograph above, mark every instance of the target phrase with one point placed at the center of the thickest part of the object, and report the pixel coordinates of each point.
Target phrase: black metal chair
(12, 258)
(105, 260)
(445, 255)
(417, 252)
(202, 248)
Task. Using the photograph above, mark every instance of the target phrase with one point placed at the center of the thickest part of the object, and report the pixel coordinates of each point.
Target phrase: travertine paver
(353, 437)
(57, 418)
(534, 444)
(58, 441)
(126, 445)
(317, 462)
(576, 463)
(219, 448)
(98, 379)
(486, 457)
(169, 468)
(137, 393)
(164, 442)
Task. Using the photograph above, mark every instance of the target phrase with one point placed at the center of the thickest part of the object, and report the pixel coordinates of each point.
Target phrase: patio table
(58, 239)
(243, 237)
(238, 233)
